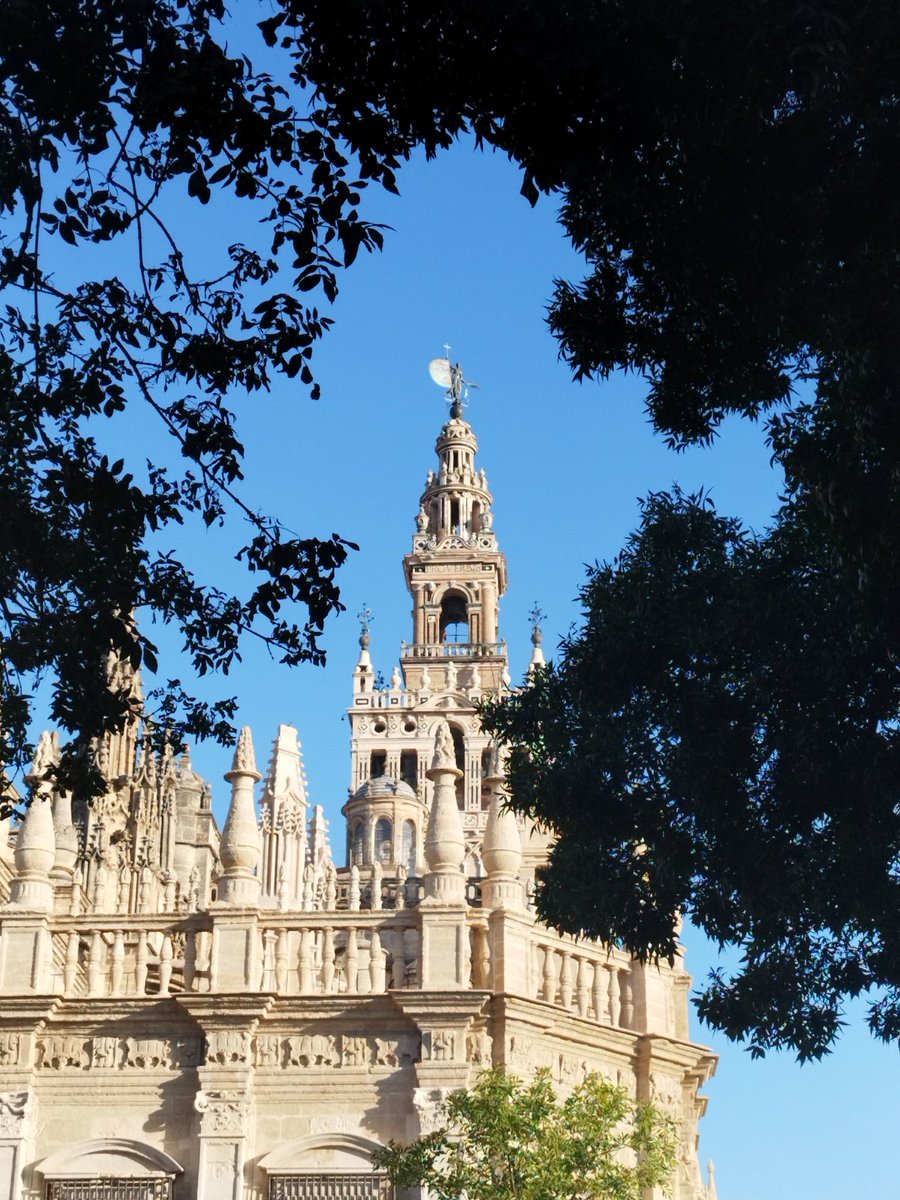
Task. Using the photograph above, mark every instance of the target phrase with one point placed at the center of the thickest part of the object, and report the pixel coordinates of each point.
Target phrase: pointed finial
(444, 752)
(712, 1192)
(45, 758)
(244, 756)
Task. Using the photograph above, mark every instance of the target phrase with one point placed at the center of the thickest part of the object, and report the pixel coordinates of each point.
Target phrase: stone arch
(322, 1152)
(122, 1158)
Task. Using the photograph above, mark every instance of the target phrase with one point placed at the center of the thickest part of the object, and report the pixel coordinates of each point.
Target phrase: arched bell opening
(454, 622)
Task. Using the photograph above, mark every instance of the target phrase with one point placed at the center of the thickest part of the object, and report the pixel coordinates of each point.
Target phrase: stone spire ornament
(239, 850)
(445, 882)
(66, 838)
(502, 851)
(284, 816)
(712, 1192)
(35, 851)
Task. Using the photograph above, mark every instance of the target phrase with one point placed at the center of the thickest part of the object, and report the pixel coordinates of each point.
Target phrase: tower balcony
(441, 650)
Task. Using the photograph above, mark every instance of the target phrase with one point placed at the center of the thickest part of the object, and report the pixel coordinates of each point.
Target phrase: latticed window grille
(109, 1189)
(342, 1185)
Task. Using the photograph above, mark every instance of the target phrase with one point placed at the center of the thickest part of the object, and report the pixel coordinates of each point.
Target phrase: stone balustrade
(348, 949)
(359, 952)
(584, 978)
(121, 956)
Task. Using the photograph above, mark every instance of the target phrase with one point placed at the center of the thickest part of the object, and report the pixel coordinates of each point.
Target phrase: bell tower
(456, 575)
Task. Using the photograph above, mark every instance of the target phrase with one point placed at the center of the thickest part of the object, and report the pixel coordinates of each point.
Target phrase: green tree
(504, 1139)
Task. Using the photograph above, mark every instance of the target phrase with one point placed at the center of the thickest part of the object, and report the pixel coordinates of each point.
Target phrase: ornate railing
(453, 650)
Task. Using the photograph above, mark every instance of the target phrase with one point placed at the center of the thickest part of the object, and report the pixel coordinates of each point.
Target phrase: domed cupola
(385, 824)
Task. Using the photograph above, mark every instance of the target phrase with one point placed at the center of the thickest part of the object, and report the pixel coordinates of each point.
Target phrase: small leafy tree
(505, 1139)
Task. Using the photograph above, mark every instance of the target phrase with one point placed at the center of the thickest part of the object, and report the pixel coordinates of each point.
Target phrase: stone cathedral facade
(189, 1014)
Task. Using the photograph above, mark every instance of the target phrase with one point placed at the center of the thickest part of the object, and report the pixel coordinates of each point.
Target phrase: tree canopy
(728, 172)
(507, 1140)
(720, 736)
(118, 123)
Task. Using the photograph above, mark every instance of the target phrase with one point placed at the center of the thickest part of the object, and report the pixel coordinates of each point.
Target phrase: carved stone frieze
(439, 1045)
(666, 1092)
(61, 1053)
(324, 1050)
(108, 1052)
(478, 1047)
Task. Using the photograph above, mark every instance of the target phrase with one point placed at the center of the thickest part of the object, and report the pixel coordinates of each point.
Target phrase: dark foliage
(116, 120)
(721, 737)
(729, 172)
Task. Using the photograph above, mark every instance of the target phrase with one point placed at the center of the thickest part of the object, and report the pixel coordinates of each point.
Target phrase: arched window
(454, 617)
(356, 844)
(485, 765)
(408, 847)
(459, 749)
(383, 834)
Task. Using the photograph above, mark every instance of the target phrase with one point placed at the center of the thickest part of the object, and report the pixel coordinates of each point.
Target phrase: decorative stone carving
(439, 1045)
(429, 1106)
(10, 1049)
(62, 1053)
(666, 1092)
(312, 1050)
(223, 1113)
(146, 1053)
(444, 755)
(355, 1051)
(227, 1046)
(268, 1051)
(478, 1048)
(13, 1112)
(396, 1052)
(104, 1052)
(333, 1124)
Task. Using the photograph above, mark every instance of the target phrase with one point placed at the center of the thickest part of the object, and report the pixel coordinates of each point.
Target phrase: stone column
(224, 1123)
(16, 1116)
(224, 1100)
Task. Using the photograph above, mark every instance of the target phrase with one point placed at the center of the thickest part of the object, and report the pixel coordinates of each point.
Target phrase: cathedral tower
(456, 575)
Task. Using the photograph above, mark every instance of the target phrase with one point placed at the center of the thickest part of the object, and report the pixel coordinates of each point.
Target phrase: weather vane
(449, 376)
(365, 616)
(535, 617)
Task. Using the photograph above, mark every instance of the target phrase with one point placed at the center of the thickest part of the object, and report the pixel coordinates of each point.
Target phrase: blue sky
(469, 263)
